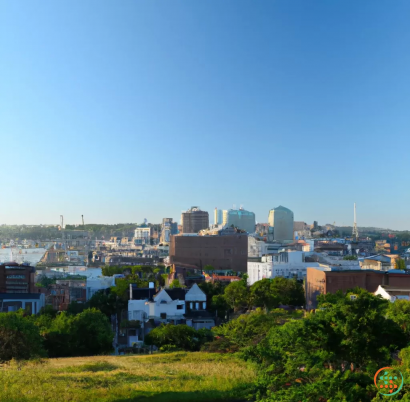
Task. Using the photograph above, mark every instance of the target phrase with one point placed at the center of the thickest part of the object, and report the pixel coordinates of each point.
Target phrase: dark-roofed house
(175, 306)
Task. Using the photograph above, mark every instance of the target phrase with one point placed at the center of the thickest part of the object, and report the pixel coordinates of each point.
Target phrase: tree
(44, 281)
(262, 294)
(76, 307)
(399, 312)
(209, 267)
(237, 295)
(19, 337)
(175, 284)
(122, 285)
(400, 264)
(107, 302)
(174, 337)
(330, 355)
(288, 291)
(248, 329)
(350, 257)
(219, 305)
(86, 334)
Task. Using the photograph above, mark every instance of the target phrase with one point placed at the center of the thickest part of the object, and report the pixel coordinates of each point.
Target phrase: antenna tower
(355, 232)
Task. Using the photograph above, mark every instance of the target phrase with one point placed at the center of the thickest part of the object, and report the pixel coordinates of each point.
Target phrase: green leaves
(311, 359)
(19, 337)
(177, 337)
(86, 334)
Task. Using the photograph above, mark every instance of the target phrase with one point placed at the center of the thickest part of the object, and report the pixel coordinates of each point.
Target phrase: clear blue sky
(133, 109)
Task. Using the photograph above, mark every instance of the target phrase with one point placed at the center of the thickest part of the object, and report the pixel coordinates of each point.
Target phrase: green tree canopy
(177, 337)
(262, 294)
(310, 359)
(19, 337)
(237, 295)
(86, 334)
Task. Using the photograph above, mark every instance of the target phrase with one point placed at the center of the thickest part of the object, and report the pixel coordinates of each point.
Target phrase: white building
(142, 235)
(258, 248)
(96, 284)
(176, 306)
(392, 293)
(288, 264)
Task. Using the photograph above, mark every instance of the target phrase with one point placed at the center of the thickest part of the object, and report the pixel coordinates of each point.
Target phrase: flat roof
(20, 296)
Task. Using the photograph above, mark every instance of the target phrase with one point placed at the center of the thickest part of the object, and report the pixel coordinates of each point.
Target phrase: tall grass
(167, 377)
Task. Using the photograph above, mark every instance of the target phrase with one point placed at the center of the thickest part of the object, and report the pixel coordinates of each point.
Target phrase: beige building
(281, 221)
(194, 220)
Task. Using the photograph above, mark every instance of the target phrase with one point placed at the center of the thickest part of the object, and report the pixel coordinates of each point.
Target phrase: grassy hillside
(156, 378)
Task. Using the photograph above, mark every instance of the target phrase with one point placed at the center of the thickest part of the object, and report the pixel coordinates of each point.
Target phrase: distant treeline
(43, 233)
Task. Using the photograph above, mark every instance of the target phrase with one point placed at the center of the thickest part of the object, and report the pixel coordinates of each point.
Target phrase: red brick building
(329, 280)
(222, 252)
(16, 278)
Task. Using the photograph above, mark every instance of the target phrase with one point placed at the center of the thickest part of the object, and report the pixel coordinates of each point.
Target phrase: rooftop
(19, 296)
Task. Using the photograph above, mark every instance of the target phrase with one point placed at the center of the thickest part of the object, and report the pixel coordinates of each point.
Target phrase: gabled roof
(176, 294)
(142, 293)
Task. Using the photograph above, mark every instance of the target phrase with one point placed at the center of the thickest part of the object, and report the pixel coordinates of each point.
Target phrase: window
(132, 332)
(191, 305)
(163, 316)
(180, 307)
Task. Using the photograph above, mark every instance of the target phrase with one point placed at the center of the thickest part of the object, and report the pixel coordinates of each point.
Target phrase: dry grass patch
(155, 378)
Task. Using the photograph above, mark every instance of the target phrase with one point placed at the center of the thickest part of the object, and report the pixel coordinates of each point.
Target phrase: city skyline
(77, 220)
(300, 104)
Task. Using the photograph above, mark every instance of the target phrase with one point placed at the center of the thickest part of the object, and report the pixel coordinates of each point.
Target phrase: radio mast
(355, 232)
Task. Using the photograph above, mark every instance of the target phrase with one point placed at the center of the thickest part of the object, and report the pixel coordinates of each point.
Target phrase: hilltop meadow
(181, 376)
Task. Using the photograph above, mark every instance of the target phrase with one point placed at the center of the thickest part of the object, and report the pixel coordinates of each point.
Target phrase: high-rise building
(168, 228)
(16, 278)
(142, 234)
(194, 220)
(281, 221)
(217, 216)
(240, 219)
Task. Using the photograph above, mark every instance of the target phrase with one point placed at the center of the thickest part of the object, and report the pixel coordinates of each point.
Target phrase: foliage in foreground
(331, 355)
(19, 338)
(24, 337)
(248, 330)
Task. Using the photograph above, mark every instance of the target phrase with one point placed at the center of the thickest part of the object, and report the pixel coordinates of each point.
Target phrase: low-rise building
(258, 248)
(94, 285)
(384, 262)
(393, 293)
(287, 264)
(327, 279)
(30, 302)
(176, 306)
